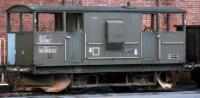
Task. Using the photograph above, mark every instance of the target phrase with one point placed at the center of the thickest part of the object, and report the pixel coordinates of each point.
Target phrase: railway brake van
(93, 46)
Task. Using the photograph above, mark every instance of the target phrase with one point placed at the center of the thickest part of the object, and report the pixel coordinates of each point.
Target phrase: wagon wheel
(165, 80)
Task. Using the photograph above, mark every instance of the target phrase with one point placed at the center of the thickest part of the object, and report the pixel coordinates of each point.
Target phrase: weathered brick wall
(192, 7)
(193, 10)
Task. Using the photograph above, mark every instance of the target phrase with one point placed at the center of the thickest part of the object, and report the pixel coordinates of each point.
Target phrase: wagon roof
(78, 8)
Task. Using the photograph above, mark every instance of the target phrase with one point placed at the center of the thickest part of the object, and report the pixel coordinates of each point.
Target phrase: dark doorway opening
(192, 44)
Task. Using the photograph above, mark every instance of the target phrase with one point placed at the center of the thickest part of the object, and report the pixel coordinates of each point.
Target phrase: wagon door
(73, 46)
(149, 38)
(149, 46)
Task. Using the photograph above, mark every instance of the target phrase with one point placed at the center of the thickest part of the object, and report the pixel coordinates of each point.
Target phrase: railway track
(94, 91)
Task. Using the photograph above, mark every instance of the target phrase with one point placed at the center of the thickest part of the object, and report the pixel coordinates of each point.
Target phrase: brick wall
(192, 7)
(193, 10)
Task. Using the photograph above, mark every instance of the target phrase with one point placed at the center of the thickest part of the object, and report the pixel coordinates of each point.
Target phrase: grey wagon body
(111, 38)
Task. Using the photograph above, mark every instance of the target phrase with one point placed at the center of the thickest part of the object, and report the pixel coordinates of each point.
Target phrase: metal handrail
(4, 59)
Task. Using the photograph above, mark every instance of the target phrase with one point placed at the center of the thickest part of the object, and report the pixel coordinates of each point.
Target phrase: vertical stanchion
(2, 62)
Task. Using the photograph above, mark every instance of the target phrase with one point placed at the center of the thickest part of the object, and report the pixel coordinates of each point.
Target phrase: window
(21, 22)
(27, 22)
(149, 22)
(48, 22)
(168, 22)
(74, 22)
(14, 22)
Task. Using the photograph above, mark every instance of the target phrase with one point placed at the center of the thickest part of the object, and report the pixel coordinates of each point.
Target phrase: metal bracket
(68, 37)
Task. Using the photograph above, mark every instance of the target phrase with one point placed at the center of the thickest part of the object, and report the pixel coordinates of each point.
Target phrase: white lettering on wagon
(173, 56)
(45, 39)
(47, 49)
